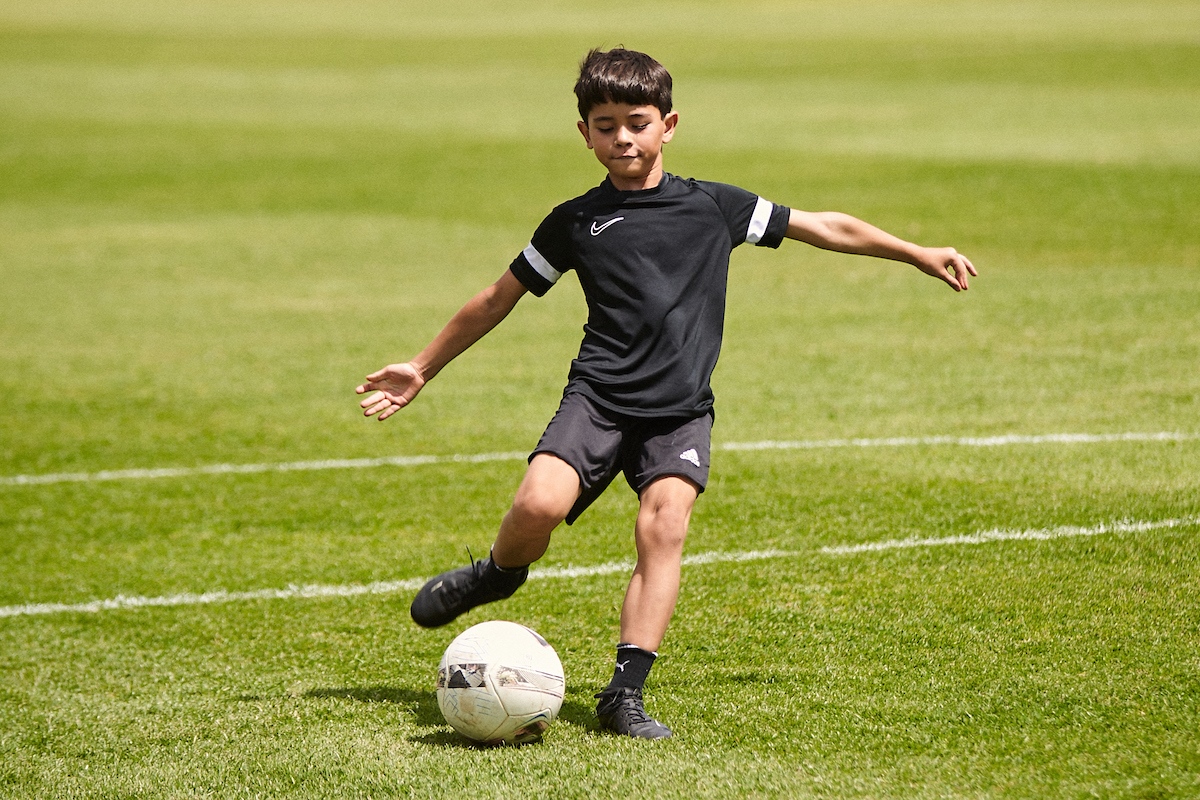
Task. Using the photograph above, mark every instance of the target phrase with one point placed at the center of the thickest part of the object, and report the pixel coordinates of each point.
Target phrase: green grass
(215, 219)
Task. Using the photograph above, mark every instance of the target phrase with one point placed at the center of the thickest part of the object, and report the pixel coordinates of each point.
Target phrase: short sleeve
(750, 218)
(547, 256)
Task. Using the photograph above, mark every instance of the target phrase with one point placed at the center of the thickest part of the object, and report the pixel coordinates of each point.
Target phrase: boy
(651, 252)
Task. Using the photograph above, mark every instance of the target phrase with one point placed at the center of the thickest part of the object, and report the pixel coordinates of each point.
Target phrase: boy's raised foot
(622, 711)
(456, 592)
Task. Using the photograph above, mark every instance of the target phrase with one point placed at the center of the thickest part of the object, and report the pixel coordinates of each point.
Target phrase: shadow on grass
(426, 713)
(422, 703)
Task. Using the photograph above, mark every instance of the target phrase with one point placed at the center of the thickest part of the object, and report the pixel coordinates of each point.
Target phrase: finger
(960, 276)
(372, 400)
(372, 385)
(951, 277)
(387, 406)
(392, 408)
(956, 265)
(962, 268)
(378, 408)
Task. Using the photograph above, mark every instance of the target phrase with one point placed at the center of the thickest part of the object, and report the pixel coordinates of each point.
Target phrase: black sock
(633, 665)
(504, 579)
(505, 570)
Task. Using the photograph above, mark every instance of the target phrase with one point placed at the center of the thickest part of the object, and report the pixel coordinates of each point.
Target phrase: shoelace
(631, 708)
(456, 592)
(635, 713)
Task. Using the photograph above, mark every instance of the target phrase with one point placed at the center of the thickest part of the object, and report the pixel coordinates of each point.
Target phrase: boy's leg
(547, 492)
(662, 523)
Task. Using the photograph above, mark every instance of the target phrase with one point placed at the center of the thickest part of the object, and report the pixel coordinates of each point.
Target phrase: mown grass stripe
(416, 461)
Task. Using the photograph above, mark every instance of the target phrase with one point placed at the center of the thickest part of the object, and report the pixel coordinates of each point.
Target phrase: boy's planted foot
(456, 592)
(622, 711)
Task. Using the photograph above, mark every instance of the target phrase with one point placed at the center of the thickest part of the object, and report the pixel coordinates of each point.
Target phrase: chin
(626, 170)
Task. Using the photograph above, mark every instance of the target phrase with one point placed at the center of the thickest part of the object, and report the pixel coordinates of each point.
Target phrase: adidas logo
(691, 456)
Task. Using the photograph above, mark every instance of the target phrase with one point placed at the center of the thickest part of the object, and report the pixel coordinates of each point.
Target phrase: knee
(545, 496)
(663, 523)
(540, 511)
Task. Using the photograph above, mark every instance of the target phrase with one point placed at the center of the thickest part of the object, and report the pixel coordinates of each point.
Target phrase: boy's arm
(396, 385)
(843, 233)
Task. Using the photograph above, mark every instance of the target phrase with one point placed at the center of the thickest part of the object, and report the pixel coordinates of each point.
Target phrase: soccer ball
(500, 683)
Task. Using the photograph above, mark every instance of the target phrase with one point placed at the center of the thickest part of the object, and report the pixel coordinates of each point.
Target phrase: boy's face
(628, 141)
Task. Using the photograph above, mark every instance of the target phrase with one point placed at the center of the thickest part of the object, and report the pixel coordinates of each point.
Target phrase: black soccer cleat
(456, 592)
(622, 711)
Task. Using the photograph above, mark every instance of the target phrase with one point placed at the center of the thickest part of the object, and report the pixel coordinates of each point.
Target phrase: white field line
(569, 573)
(347, 590)
(209, 598)
(416, 461)
(1001, 535)
(245, 469)
(969, 441)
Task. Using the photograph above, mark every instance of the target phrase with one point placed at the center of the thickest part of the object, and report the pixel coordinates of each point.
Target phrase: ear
(670, 121)
(587, 135)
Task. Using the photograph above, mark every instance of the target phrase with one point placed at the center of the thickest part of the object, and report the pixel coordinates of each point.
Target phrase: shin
(662, 524)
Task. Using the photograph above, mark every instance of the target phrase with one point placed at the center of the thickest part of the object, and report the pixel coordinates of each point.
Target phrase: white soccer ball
(500, 683)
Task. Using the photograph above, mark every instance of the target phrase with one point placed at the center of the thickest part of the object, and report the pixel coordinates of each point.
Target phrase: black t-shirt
(653, 265)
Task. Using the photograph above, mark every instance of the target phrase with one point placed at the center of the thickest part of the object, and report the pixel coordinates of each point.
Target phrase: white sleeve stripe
(759, 220)
(540, 264)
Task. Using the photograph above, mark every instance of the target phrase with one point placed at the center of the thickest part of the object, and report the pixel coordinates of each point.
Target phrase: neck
(633, 184)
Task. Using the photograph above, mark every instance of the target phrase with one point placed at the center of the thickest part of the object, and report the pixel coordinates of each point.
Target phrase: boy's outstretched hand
(394, 387)
(945, 264)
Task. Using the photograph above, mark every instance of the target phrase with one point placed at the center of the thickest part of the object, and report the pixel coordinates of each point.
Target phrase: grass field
(950, 543)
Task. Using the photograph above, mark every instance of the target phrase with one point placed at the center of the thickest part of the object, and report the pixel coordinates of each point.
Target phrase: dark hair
(622, 76)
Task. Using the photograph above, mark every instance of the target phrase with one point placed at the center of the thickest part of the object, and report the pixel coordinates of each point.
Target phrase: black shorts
(599, 443)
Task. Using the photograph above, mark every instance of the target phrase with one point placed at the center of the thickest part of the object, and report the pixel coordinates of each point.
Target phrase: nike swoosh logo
(599, 229)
